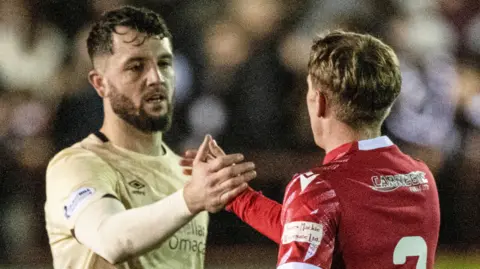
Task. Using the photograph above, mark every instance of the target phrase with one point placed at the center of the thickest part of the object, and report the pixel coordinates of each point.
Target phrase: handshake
(216, 179)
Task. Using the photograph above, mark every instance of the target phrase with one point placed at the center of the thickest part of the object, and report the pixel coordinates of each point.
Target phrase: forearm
(129, 233)
(260, 212)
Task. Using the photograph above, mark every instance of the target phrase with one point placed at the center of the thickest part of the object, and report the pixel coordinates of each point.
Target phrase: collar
(363, 145)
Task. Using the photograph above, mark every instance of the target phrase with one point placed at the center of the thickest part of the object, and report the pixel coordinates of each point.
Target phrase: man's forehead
(128, 40)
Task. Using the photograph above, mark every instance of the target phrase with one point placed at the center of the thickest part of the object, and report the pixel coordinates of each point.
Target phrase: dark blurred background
(241, 70)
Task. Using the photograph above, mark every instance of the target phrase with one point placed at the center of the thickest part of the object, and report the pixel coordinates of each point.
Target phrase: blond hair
(358, 73)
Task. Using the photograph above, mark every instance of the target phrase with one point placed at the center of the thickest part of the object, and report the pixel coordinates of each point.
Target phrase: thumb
(215, 149)
(203, 150)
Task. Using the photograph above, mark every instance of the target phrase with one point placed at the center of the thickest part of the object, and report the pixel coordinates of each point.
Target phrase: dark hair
(359, 73)
(141, 19)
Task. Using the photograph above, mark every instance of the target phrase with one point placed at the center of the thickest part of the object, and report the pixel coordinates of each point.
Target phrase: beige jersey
(93, 169)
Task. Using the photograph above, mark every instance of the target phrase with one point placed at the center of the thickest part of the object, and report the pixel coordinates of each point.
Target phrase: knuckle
(239, 179)
(235, 182)
(224, 173)
(226, 197)
(236, 192)
(229, 184)
(237, 169)
(231, 171)
(208, 181)
(232, 158)
(211, 166)
(221, 161)
(244, 167)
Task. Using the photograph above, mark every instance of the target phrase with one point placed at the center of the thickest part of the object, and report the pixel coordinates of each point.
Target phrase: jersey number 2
(411, 246)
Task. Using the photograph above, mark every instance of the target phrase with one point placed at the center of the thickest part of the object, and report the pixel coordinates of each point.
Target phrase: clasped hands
(217, 178)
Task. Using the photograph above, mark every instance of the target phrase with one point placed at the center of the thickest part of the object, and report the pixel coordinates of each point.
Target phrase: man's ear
(321, 104)
(96, 79)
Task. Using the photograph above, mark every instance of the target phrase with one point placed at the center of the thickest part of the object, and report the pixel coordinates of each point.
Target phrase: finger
(225, 161)
(190, 153)
(215, 149)
(203, 150)
(234, 182)
(187, 172)
(210, 157)
(186, 162)
(227, 197)
(232, 171)
(241, 168)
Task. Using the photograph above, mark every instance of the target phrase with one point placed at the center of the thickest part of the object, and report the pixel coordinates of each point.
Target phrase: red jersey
(368, 206)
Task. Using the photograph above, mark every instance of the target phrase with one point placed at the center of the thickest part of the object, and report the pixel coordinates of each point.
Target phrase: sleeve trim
(298, 265)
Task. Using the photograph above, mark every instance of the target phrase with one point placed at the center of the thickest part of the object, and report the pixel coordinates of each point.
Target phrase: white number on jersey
(411, 246)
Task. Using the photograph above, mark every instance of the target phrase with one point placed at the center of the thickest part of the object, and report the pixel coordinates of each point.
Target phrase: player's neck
(339, 134)
(126, 136)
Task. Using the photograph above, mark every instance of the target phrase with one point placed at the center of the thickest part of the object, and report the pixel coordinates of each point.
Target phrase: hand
(217, 181)
(187, 161)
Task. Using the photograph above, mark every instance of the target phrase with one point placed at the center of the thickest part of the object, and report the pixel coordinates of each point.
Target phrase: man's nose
(155, 76)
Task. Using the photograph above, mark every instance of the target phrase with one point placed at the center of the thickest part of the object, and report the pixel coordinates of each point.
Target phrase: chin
(319, 144)
(157, 115)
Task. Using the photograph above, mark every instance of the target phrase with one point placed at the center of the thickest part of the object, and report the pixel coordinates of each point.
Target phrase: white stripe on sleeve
(297, 265)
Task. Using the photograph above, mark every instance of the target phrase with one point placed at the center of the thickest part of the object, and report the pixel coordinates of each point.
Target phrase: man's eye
(136, 67)
(164, 63)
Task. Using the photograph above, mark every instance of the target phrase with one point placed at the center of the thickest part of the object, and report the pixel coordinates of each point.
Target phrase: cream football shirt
(95, 168)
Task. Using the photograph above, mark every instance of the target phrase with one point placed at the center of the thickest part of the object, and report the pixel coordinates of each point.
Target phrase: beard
(125, 108)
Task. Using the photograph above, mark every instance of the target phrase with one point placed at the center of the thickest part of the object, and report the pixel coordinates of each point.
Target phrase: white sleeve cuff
(297, 265)
(177, 200)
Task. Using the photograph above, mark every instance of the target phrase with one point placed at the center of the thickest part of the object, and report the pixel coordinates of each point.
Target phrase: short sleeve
(310, 219)
(75, 179)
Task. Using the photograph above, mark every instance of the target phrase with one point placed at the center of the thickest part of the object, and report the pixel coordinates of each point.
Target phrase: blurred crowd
(241, 70)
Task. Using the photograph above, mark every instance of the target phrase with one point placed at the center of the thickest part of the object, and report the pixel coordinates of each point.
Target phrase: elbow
(110, 257)
(114, 258)
(114, 253)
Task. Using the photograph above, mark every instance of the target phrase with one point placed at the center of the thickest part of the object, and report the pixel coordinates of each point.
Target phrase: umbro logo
(136, 184)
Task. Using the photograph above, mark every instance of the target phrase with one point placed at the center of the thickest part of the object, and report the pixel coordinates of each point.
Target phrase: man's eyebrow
(135, 59)
(165, 56)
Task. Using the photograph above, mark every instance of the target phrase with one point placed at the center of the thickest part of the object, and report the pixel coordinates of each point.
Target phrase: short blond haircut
(358, 73)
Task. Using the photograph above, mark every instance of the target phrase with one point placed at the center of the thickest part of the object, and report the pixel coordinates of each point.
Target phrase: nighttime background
(241, 70)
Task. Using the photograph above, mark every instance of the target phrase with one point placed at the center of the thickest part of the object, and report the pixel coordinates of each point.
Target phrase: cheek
(311, 111)
(170, 76)
(171, 83)
(310, 100)
(130, 93)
